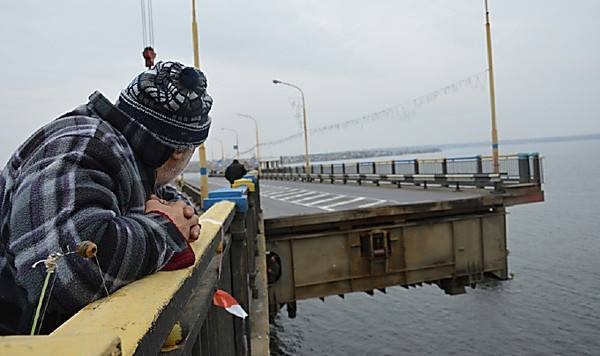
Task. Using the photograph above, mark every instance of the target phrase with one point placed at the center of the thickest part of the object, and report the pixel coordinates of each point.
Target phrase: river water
(552, 306)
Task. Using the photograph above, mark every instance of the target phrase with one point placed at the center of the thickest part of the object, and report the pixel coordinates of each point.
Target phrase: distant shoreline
(518, 141)
(396, 151)
(380, 152)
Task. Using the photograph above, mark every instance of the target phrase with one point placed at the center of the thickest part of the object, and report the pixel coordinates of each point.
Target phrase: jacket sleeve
(85, 191)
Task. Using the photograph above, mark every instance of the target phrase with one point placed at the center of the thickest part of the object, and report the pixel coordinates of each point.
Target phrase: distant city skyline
(505, 142)
(351, 59)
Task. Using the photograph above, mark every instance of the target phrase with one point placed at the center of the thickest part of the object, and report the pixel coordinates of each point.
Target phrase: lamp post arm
(291, 85)
(306, 155)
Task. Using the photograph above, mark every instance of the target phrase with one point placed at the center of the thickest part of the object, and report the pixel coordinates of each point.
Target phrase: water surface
(552, 306)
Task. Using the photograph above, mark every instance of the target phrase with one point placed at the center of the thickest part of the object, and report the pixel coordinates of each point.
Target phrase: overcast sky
(351, 58)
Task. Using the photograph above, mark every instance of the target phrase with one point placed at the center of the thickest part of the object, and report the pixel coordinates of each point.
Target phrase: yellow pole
(202, 148)
(195, 35)
(488, 35)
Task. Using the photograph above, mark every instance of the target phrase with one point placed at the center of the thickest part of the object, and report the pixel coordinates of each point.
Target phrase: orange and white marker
(225, 300)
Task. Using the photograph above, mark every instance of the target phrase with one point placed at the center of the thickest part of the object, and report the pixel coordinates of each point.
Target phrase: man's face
(173, 167)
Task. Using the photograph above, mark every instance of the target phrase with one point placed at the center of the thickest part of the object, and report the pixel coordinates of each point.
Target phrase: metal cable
(144, 27)
(150, 24)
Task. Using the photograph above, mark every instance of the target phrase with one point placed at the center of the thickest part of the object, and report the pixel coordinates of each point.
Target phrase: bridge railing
(138, 318)
(474, 171)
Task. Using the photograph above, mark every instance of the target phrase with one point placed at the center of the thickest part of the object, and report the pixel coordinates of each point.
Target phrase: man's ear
(177, 155)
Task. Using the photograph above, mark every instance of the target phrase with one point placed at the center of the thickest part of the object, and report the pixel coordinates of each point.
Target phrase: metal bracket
(375, 244)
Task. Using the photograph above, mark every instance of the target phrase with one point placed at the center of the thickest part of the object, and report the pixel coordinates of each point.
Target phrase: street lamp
(306, 157)
(257, 142)
(222, 153)
(237, 141)
(222, 161)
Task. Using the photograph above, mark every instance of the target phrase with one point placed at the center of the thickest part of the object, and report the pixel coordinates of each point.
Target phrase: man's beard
(171, 169)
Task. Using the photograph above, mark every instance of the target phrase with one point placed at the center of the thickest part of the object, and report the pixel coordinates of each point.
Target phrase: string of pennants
(402, 111)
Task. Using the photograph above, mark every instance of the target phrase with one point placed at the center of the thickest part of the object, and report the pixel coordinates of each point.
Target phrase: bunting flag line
(226, 301)
(402, 111)
(296, 104)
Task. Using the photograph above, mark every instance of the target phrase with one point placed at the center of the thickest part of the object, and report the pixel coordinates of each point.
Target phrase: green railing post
(445, 170)
(416, 169)
(537, 168)
(524, 170)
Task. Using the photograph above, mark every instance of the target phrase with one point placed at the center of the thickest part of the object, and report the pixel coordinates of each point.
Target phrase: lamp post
(306, 157)
(257, 142)
(488, 36)
(222, 151)
(237, 141)
(202, 148)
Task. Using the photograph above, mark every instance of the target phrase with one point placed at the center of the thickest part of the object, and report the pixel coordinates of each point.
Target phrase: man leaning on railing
(98, 173)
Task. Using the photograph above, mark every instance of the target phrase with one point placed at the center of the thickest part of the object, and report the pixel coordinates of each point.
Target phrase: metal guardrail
(136, 319)
(458, 171)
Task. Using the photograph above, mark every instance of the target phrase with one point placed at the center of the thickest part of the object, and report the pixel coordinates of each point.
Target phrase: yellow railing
(140, 314)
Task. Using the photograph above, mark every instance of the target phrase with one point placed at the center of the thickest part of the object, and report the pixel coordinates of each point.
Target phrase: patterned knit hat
(171, 101)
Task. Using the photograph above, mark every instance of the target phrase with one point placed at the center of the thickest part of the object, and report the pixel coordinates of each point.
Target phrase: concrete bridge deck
(288, 198)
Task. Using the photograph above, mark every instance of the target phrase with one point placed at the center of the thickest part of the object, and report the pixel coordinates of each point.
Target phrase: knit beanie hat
(171, 101)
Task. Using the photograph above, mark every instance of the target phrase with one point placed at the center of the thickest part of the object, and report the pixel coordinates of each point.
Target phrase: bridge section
(452, 244)
(362, 238)
(452, 241)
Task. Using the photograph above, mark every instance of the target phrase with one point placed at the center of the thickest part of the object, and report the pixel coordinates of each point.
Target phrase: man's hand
(180, 213)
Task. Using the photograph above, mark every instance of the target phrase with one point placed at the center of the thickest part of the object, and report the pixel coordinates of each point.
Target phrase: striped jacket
(83, 176)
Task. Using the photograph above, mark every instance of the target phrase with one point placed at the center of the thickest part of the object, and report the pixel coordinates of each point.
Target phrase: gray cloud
(350, 57)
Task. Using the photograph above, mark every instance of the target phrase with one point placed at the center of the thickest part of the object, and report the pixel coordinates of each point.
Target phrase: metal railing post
(537, 168)
(416, 169)
(445, 170)
(524, 170)
(479, 161)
